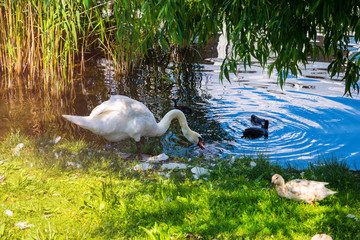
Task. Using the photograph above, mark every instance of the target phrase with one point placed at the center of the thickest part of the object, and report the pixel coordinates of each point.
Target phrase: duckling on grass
(300, 189)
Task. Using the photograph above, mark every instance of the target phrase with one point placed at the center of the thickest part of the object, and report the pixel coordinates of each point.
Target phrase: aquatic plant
(38, 39)
(46, 39)
(42, 41)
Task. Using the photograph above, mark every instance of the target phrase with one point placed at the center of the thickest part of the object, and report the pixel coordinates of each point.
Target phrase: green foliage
(42, 38)
(286, 31)
(330, 170)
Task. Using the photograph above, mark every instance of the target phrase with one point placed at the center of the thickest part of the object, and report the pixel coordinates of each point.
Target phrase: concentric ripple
(309, 118)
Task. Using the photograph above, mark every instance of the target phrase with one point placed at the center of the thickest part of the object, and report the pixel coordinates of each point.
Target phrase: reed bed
(38, 40)
(43, 41)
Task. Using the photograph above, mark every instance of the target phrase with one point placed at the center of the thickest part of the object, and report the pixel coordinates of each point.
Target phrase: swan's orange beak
(200, 144)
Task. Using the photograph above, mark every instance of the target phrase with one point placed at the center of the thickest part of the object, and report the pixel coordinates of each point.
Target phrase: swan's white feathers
(122, 117)
(124, 106)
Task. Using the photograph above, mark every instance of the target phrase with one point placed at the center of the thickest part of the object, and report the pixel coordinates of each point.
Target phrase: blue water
(310, 118)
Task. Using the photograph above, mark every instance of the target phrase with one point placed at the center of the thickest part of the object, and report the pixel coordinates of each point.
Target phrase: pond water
(309, 118)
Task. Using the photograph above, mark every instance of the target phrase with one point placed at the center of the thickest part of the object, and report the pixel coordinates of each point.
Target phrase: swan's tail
(79, 120)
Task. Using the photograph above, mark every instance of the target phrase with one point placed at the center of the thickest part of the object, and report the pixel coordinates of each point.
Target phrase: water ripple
(309, 118)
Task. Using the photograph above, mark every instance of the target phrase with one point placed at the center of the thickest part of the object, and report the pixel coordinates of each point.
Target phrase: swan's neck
(164, 124)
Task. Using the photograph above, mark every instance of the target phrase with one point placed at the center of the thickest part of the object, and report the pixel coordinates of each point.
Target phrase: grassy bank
(67, 189)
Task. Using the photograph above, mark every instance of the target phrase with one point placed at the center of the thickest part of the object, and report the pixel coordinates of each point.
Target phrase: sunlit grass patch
(331, 170)
(105, 197)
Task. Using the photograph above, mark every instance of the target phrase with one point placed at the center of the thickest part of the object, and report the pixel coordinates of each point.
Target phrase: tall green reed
(41, 39)
(45, 40)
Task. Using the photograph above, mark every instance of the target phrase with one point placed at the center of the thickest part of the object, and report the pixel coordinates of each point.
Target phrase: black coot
(257, 121)
(255, 132)
(184, 109)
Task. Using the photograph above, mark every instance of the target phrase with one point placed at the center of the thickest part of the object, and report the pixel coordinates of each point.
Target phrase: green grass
(104, 198)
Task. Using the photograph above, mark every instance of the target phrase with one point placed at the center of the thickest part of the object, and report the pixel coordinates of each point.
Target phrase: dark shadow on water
(154, 84)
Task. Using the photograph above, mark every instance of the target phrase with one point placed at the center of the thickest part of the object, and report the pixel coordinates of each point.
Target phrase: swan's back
(123, 105)
(118, 118)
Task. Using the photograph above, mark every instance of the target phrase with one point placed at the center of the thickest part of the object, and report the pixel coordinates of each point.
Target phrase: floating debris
(41, 150)
(167, 175)
(124, 155)
(352, 216)
(9, 213)
(23, 225)
(199, 171)
(253, 164)
(174, 166)
(143, 166)
(73, 164)
(56, 140)
(232, 160)
(16, 151)
(157, 159)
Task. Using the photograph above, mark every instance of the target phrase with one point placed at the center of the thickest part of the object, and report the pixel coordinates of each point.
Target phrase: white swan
(122, 117)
